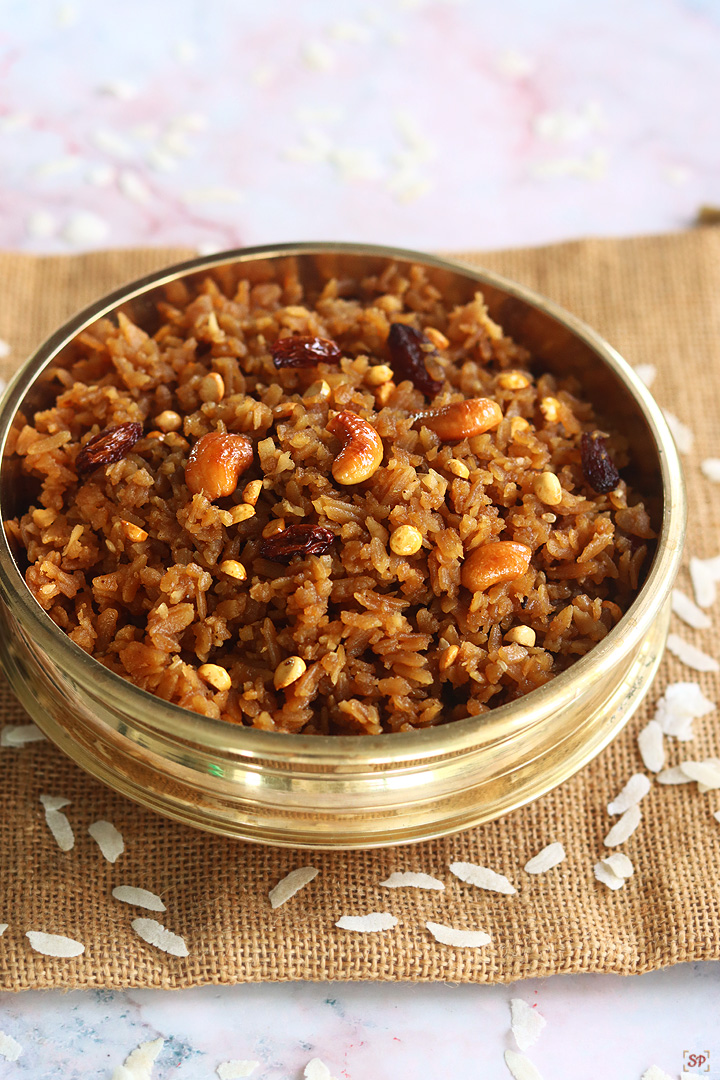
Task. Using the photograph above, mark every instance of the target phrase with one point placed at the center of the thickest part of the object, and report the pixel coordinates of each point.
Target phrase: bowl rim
(182, 726)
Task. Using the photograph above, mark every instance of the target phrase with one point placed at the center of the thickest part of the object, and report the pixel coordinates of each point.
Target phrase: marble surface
(603, 1027)
(427, 123)
(416, 122)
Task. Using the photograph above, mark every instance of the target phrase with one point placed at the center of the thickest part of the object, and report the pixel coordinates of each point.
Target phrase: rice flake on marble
(84, 228)
(656, 1073)
(550, 856)
(3, 927)
(647, 373)
(636, 789)
(5, 349)
(482, 877)
(154, 933)
(690, 655)
(236, 1069)
(129, 894)
(526, 1023)
(316, 1069)
(521, 1067)
(139, 1063)
(17, 735)
(57, 823)
(54, 944)
(290, 884)
(410, 879)
(623, 829)
(368, 924)
(10, 1048)
(459, 939)
(108, 839)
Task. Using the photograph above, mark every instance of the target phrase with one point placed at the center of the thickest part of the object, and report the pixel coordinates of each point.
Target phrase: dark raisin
(303, 352)
(407, 358)
(597, 465)
(110, 445)
(297, 540)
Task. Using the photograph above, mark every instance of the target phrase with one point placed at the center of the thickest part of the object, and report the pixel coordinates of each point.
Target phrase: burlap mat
(658, 301)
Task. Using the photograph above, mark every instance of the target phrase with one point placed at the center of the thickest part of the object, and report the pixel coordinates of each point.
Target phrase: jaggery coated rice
(171, 590)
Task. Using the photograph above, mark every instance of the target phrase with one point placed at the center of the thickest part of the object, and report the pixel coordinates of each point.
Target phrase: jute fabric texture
(658, 301)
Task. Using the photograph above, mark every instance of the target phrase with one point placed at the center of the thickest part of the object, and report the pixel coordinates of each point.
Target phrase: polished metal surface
(344, 792)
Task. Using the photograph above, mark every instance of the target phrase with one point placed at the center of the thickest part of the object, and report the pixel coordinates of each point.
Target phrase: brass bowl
(351, 791)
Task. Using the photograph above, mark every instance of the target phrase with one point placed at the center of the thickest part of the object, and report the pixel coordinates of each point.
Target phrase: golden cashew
(216, 463)
(462, 419)
(362, 450)
(494, 563)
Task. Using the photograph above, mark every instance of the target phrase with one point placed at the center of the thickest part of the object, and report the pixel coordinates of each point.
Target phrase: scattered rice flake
(716, 815)
(208, 247)
(316, 1069)
(619, 864)
(57, 823)
(15, 121)
(624, 827)
(689, 612)
(349, 31)
(108, 839)
(515, 65)
(711, 469)
(84, 228)
(161, 160)
(20, 735)
(704, 574)
(54, 944)
(705, 773)
(133, 187)
(682, 703)
(184, 51)
(120, 89)
(67, 15)
(5, 349)
(9, 1048)
(521, 1067)
(129, 894)
(681, 433)
(236, 1069)
(636, 789)
(651, 746)
(212, 195)
(593, 166)
(109, 142)
(401, 879)
(482, 877)
(545, 860)
(316, 55)
(368, 924)
(3, 927)
(100, 175)
(356, 163)
(290, 884)
(526, 1023)
(606, 876)
(690, 655)
(676, 775)
(263, 75)
(56, 167)
(139, 1064)
(40, 225)
(646, 373)
(655, 1073)
(151, 931)
(460, 939)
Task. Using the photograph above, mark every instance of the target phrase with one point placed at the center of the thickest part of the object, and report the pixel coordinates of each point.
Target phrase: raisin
(110, 445)
(303, 352)
(407, 357)
(597, 465)
(297, 540)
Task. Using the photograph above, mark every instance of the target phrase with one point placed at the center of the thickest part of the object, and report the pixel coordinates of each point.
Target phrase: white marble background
(423, 123)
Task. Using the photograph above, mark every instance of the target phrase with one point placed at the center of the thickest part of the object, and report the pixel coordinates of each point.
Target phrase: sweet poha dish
(351, 513)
